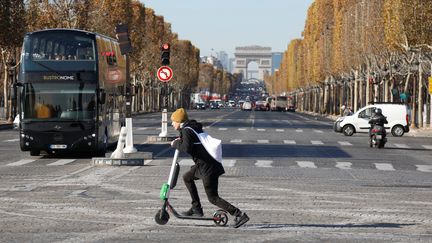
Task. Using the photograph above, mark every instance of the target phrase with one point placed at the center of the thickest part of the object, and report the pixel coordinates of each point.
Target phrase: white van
(397, 117)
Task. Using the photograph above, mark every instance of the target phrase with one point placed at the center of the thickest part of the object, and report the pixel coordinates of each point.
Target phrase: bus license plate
(58, 146)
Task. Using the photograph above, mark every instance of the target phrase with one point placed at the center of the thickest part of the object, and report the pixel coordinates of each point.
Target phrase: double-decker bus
(71, 91)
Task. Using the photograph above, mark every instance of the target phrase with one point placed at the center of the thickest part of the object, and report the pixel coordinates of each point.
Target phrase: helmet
(378, 111)
(343, 107)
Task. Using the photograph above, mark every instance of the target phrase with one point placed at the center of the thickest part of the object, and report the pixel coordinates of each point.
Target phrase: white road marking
(306, 164)
(345, 143)
(427, 146)
(261, 130)
(229, 162)
(264, 163)
(318, 131)
(21, 162)
(280, 130)
(344, 165)
(384, 166)
(424, 168)
(186, 162)
(236, 141)
(299, 130)
(223, 129)
(401, 145)
(242, 129)
(263, 141)
(142, 128)
(289, 142)
(11, 140)
(317, 142)
(62, 162)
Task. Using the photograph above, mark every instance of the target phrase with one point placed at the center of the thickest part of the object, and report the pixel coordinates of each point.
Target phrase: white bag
(211, 144)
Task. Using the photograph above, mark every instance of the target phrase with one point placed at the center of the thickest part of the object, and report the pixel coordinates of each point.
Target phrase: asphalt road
(295, 177)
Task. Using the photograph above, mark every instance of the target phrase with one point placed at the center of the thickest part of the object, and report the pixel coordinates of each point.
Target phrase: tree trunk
(420, 98)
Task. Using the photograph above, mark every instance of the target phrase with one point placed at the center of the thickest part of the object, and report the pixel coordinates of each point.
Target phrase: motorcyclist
(377, 119)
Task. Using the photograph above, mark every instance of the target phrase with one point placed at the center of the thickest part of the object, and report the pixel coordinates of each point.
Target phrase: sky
(222, 25)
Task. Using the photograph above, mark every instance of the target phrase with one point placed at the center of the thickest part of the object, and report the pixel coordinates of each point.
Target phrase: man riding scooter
(377, 132)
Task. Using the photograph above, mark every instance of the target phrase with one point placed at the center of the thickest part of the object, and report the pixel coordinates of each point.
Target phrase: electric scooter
(220, 217)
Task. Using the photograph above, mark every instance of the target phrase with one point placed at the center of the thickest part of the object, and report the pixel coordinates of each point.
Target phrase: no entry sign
(164, 73)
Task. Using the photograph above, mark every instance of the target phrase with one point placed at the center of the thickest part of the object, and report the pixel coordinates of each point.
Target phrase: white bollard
(129, 138)
(164, 129)
(118, 153)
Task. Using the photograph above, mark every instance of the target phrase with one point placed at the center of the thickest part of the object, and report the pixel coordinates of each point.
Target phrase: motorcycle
(377, 136)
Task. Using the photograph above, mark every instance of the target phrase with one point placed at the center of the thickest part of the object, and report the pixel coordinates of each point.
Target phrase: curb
(6, 126)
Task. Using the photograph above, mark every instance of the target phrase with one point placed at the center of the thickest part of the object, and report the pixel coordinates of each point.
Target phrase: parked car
(397, 117)
(291, 108)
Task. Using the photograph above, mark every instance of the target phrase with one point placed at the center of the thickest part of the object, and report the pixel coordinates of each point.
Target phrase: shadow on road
(279, 226)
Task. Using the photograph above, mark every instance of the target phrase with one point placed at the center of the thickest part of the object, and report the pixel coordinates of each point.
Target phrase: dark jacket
(205, 164)
(378, 119)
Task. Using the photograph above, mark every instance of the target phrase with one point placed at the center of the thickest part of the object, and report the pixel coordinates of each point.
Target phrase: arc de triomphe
(259, 54)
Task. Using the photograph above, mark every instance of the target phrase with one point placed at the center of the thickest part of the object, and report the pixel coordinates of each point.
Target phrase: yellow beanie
(179, 116)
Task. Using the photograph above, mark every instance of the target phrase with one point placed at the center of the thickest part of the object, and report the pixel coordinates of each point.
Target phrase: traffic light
(122, 34)
(165, 54)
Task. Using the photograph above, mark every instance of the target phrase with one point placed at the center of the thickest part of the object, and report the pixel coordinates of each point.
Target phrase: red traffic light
(165, 46)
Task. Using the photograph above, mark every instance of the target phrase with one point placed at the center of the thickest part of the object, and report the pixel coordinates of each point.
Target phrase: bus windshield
(60, 50)
(59, 101)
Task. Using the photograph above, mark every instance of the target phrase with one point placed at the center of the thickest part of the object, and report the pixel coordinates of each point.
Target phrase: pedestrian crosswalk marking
(401, 145)
(263, 141)
(21, 162)
(223, 129)
(299, 130)
(306, 164)
(344, 165)
(289, 142)
(345, 143)
(261, 130)
(242, 129)
(186, 162)
(61, 162)
(236, 141)
(228, 162)
(317, 142)
(280, 130)
(264, 163)
(427, 146)
(384, 166)
(318, 131)
(424, 168)
(11, 140)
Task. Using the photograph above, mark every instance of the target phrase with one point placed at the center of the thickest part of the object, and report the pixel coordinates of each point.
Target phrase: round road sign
(164, 73)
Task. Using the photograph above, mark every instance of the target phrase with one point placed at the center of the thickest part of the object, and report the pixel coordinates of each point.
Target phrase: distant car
(200, 106)
(291, 108)
(247, 106)
(231, 103)
(214, 105)
(260, 106)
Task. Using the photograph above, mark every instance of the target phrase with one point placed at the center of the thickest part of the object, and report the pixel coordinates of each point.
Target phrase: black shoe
(194, 212)
(240, 220)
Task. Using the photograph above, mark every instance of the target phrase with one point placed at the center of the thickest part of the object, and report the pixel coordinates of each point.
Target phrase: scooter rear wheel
(162, 217)
(220, 218)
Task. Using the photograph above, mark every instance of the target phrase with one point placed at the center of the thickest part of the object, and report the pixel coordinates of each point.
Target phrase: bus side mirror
(102, 96)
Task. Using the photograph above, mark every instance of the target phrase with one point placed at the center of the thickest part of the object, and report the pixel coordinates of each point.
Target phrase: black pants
(211, 188)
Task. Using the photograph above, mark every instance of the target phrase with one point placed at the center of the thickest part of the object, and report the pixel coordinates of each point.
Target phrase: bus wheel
(34, 152)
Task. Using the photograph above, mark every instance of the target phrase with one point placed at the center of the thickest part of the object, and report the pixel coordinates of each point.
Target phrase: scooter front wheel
(220, 218)
(162, 217)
